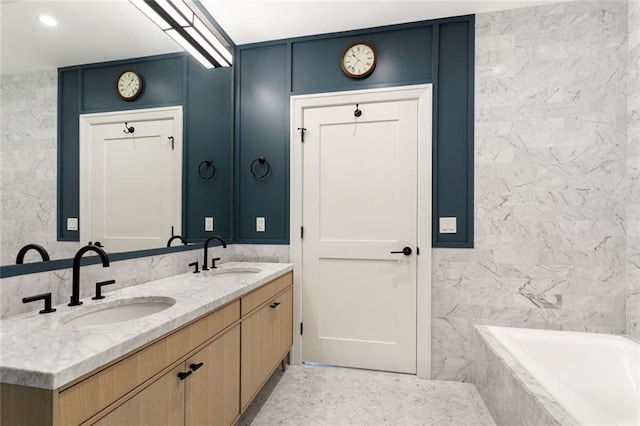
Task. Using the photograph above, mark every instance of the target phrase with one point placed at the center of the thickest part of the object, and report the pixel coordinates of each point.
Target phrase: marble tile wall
(633, 173)
(28, 152)
(550, 181)
(125, 272)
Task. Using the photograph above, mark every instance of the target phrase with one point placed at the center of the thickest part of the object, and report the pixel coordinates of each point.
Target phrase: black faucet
(205, 264)
(75, 295)
(36, 247)
(176, 237)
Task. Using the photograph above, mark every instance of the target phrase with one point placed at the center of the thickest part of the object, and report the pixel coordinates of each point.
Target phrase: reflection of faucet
(36, 247)
(206, 247)
(75, 294)
(176, 237)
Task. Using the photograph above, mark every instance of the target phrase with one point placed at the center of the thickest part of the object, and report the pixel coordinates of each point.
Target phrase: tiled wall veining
(633, 173)
(550, 155)
(28, 105)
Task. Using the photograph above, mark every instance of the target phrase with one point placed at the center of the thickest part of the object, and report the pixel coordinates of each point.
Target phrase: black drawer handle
(274, 305)
(183, 376)
(194, 367)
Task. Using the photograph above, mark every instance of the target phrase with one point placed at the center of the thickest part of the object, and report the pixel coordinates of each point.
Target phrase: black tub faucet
(205, 264)
(75, 294)
(36, 247)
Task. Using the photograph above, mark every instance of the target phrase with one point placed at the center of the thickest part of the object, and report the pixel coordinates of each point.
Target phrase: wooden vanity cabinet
(267, 334)
(207, 396)
(229, 355)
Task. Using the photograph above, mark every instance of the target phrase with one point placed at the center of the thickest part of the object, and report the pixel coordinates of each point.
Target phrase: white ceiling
(104, 30)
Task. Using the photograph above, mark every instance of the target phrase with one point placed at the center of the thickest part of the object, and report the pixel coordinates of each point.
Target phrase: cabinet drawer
(263, 294)
(86, 398)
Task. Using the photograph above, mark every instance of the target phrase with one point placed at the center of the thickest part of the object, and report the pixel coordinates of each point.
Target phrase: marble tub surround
(550, 192)
(511, 394)
(633, 173)
(39, 351)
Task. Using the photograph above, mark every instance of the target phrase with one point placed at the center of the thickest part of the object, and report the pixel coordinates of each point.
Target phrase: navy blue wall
(169, 80)
(267, 74)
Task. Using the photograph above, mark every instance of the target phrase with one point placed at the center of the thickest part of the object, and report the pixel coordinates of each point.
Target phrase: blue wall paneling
(439, 52)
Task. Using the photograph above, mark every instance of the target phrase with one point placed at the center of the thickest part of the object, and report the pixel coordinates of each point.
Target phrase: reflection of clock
(129, 85)
(359, 59)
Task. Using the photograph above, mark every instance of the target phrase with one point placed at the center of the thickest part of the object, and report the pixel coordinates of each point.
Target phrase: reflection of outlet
(72, 224)
(260, 224)
(208, 224)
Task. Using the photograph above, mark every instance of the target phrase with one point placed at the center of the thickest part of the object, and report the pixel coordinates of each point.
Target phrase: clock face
(129, 85)
(359, 60)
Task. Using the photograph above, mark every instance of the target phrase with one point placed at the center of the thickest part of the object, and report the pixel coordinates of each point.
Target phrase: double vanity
(185, 350)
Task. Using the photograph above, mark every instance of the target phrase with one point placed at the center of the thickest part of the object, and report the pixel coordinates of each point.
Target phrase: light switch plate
(448, 225)
(260, 224)
(72, 224)
(208, 224)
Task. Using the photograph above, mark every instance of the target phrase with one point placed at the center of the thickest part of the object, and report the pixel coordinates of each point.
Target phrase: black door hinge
(302, 232)
(301, 329)
(302, 130)
(172, 143)
(418, 251)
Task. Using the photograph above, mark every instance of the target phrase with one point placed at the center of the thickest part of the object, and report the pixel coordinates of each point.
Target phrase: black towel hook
(263, 161)
(208, 163)
(128, 129)
(357, 112)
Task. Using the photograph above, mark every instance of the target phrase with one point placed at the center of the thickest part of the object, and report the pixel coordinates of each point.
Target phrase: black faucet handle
(47, 302)
(196, 271)
(213, 262)
(99, 288)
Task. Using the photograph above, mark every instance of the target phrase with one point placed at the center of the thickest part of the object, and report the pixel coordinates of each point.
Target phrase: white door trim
(88, 120)
(423, 94)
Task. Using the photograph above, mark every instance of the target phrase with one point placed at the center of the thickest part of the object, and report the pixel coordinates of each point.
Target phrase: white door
(135, 184)
(360, 204)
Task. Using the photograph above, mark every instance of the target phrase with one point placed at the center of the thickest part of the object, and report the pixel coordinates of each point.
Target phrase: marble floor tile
(319, 395)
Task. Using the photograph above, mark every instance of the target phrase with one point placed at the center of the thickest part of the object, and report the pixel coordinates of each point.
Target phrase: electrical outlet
(260, 225)
(72, 224)
(208, 224)
(448, 225)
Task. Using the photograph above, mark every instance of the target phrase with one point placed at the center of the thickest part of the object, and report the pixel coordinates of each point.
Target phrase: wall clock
(129, 85)
(359, 59)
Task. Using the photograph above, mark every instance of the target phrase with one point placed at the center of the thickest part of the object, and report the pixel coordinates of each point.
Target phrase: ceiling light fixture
(179, 21)
(48, 20)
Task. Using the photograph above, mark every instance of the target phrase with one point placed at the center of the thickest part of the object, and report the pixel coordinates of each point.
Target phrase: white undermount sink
(232, 270)
(117, 311)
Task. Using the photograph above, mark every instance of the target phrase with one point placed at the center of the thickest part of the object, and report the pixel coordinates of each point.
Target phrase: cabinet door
(283, 325)
(161, 403)
(213, 389)
(257, 352)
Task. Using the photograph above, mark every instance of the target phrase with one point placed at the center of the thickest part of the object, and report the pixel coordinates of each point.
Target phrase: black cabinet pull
(194, 367)
(182, 375)
(274, 305)
(406, 251)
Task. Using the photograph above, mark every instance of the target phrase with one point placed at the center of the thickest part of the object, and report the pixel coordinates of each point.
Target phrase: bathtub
(540, 377)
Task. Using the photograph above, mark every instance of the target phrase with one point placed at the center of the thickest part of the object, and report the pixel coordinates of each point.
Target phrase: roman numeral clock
(359, 59)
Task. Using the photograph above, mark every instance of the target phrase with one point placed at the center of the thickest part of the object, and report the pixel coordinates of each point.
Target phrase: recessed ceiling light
(48, 20)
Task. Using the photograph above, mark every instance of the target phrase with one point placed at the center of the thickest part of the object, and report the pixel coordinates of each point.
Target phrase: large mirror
(31, 53)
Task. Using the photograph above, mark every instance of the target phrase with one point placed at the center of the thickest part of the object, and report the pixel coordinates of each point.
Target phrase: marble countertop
(38, 350)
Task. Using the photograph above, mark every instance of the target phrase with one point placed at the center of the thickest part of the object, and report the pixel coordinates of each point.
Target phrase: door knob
(406, 251)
